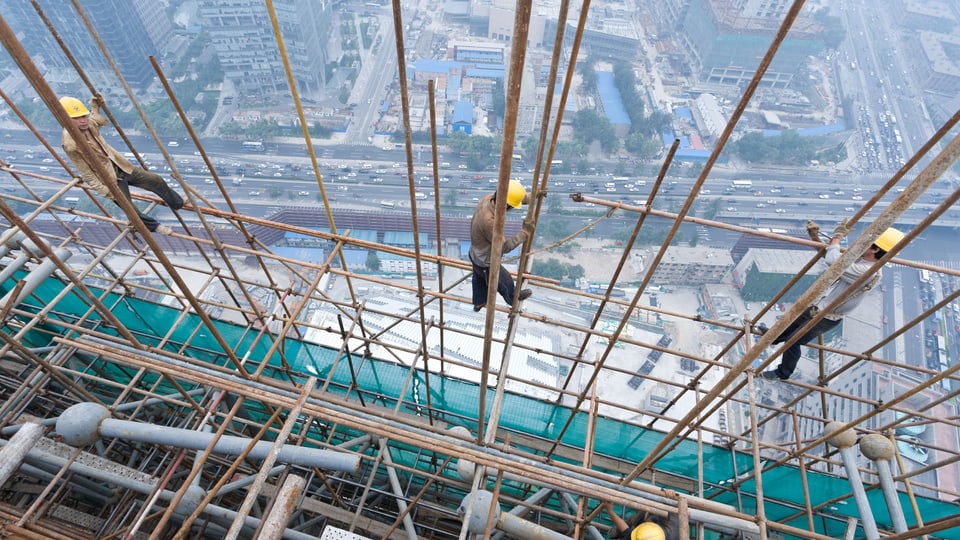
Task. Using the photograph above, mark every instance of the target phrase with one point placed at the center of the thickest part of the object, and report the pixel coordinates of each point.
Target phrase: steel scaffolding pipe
(17, 263)
(83, 487)
(844, 440)
(715, 515)
(570, 504)
(9, 430)
(85, 423)
(408, 525)
(880, 450)
(467, 469)
(276, 521)
(11, 241)
(12, 453)
(527, 505)
(127, 479)
(37, 276)
(483, 504)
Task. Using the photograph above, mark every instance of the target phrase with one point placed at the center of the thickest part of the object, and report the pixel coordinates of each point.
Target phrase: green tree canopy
(373, 261)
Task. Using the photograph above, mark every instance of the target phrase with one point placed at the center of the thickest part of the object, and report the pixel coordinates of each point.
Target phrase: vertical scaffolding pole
(880, 450)
(843, 440)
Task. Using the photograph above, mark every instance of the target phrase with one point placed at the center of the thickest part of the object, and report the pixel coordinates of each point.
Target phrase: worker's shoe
(163, 229)
(772, 375)
(478, 308)
(525, 293)
(177, 202)
(762, 328)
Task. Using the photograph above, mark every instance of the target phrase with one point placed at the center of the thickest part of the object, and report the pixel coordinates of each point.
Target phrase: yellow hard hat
(515, 194)
(74, 107)
(647, 531)
(888, 239)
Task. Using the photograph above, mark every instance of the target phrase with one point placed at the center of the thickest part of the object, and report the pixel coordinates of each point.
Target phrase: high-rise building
(129, 30)
(245, 42)
(724, 40)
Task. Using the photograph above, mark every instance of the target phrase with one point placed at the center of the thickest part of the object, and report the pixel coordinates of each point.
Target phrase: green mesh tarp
(455, 401)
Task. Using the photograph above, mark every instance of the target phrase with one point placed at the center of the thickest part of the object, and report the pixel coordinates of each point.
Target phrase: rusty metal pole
(276, 522)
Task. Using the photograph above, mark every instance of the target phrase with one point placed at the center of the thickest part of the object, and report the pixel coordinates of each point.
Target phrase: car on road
(254, 193)
(304, 193)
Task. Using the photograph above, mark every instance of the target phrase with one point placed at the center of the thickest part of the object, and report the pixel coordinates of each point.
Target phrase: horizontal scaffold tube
(84, 423)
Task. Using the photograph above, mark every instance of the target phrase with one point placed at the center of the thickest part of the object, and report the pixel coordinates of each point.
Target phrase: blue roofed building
(295, 239)
(425, 69)
(356, 259)
(612, 103)
(478, 53)
(404, 239)
(462, 117)
(313, 254)
(365, 235)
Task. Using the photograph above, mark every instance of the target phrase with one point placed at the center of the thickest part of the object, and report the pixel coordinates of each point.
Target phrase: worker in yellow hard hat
(120, 171)
(641, 526)
(481, 243)
(848, 299)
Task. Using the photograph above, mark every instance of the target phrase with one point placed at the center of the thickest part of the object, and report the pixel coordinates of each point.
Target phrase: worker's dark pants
(150, 182)
(481, 275)
(788, 363)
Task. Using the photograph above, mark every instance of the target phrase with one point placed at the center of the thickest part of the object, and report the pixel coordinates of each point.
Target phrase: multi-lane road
(365, 175)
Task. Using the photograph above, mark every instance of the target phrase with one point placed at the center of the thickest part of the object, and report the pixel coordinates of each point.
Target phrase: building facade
(247, 47)
(131, 32)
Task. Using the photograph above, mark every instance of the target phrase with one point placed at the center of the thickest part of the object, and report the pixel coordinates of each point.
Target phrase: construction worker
(121, 172)
(641, 526)
(849, 299)
(481, 242)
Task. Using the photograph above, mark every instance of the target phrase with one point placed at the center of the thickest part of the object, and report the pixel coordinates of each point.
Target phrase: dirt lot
(598, 262)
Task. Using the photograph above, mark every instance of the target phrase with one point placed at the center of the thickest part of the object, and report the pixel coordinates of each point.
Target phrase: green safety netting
(455, 401)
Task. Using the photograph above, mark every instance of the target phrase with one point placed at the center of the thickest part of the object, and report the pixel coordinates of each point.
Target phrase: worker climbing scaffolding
(122, 173)
(842, 296)
(481, 243)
